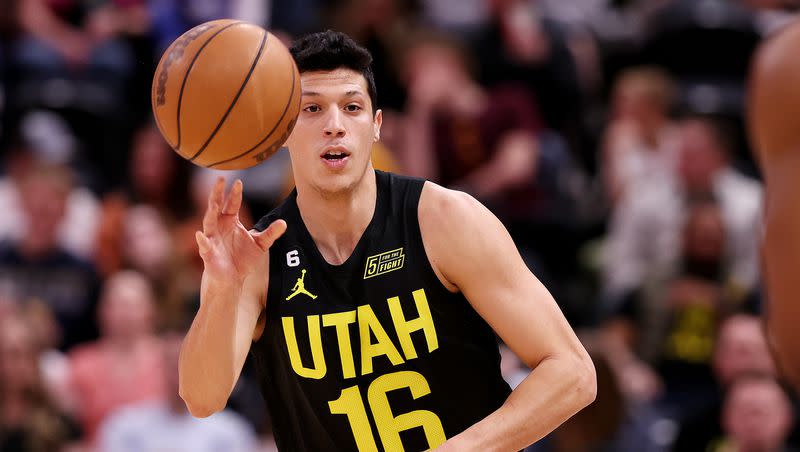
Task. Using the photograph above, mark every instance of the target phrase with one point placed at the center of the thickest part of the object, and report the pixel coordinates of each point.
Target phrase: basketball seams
(271, 132)
(186, 77)
(261, 51)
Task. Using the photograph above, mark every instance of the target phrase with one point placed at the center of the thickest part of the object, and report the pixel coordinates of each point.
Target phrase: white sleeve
(643, 239)
(112, 433)
(235, 433)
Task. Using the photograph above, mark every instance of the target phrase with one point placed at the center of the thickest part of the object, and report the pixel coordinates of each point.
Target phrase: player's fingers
(214, 203)
(203, 244)
(217, 194)
(234, 200)
(268, 236)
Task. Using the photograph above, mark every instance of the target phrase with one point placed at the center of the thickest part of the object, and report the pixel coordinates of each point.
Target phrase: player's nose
(334, 127)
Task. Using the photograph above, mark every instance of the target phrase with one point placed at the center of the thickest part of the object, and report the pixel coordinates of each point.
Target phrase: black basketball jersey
(373, 354)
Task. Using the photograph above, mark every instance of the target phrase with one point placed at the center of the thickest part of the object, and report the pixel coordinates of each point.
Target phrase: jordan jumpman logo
(300, 288)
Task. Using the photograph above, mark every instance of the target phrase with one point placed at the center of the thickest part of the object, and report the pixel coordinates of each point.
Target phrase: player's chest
(306, 283)
(377, 313)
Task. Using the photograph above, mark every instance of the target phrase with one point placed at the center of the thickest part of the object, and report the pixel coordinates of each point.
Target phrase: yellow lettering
(351, 404)
(405, 327)
(314, 338)
(389, 425)
(367, 321)
(341, 320)
(391, 265)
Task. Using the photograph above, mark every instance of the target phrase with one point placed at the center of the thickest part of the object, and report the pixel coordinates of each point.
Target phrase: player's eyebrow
(353, 92)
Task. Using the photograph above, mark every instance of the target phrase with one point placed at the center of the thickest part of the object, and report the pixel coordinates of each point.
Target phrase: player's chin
(335, 182)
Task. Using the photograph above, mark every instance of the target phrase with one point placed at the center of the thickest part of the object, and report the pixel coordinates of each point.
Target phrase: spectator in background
(463, 18)
(640, 139)
(77, 229)
(70, 29)
(159, 178)
(645, 227)
(740, 349)
(708, 42)
(91, 62)
(519, 45)
(695, 299)
(66, 38)
(379, 26)
(610, 424)
(183, 293)
(80, 58)
(53, 363)
(29, 419)
(172, 18)
(147, 245)
(125, 365)
(491, 144)
(757, 416)
(461, 135)
(382, 27)
(37, 267)
(167, 425)
(662, 337)
(772, 15)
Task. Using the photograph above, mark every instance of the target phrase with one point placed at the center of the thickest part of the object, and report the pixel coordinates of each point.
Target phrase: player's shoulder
(451, 220)
(440, 204)
(454, 220)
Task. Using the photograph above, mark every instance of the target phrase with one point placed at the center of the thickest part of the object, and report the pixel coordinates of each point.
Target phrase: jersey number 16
(351, 404)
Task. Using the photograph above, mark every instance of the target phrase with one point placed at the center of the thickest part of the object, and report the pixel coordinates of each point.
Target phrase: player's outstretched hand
(230, 252)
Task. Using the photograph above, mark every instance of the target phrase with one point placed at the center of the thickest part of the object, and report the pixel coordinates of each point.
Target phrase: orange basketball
(226, 94)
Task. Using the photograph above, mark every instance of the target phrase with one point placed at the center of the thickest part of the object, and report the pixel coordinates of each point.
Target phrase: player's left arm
(472, 252)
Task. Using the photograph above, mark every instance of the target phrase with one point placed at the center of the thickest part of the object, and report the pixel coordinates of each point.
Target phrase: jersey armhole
(415, 196)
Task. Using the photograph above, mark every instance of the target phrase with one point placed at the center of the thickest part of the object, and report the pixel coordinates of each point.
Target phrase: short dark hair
(329, 50)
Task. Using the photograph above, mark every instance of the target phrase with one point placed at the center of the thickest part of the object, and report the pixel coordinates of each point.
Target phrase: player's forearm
(207, 360)
(554, 391)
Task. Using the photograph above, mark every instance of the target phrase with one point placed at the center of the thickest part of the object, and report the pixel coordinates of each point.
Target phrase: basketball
(226, 94)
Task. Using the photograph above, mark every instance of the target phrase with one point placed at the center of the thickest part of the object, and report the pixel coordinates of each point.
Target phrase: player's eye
(352, 107)
(312, 108)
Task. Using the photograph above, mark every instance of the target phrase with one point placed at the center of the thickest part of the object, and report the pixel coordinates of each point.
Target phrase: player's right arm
(232, 296)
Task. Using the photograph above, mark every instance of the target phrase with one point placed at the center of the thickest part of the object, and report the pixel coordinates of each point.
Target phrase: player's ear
(289, 143)
(376, 125)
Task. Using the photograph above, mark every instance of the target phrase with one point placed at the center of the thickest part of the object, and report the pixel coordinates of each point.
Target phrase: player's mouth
(335, 157)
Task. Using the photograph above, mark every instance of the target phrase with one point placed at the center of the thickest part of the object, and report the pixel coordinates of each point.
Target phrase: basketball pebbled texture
(226, 94)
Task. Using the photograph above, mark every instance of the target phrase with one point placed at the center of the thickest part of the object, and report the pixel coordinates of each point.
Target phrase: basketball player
(773, 115)
(369, 300)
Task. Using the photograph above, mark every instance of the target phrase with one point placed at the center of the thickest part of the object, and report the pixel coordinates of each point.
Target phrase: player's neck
(337, 223)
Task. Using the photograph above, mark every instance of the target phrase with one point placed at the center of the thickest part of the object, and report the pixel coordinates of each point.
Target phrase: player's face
(331, 143)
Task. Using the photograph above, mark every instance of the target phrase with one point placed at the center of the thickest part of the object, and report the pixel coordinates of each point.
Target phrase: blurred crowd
(607, 135)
